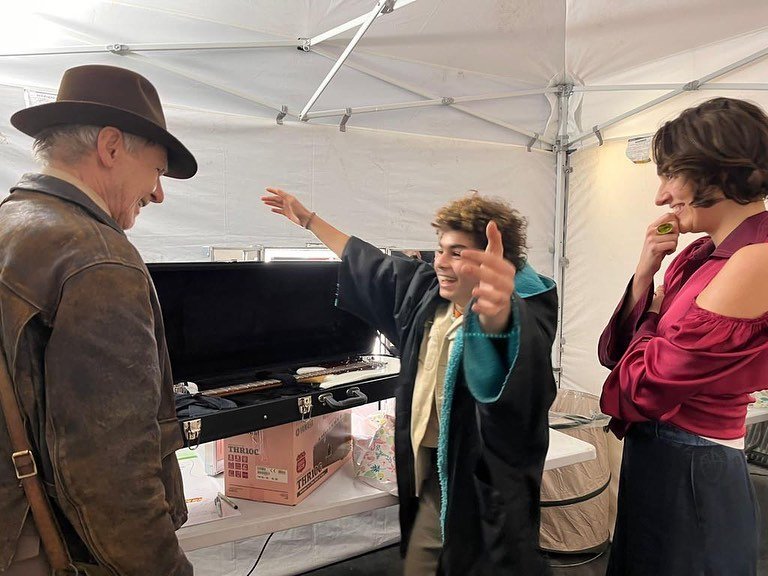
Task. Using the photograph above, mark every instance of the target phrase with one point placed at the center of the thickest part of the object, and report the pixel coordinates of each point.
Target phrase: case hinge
(192, 430)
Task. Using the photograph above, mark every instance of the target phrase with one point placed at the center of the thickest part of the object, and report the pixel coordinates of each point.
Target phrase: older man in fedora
(81, 333)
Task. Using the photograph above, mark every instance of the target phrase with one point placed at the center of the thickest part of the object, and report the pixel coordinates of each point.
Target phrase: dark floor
(387, 561)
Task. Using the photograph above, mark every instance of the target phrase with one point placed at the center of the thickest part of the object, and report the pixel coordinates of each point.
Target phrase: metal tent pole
(315, 40)
(443, 101)
(560, 262)
(382, 6)
(149, 47)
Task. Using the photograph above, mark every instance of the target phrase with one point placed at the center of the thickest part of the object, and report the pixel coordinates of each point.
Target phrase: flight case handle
(356, 398)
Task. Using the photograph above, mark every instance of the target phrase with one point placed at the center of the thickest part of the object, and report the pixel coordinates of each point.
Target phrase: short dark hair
(721, 144)
(472, 213)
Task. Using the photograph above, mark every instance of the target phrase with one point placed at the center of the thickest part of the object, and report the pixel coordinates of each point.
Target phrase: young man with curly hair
(475, 333)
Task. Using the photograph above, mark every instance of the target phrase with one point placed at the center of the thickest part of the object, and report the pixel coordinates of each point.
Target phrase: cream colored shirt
(427, 401)
(79, 184)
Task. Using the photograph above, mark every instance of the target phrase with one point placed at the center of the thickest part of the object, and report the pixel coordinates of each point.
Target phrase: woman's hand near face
(656, 246)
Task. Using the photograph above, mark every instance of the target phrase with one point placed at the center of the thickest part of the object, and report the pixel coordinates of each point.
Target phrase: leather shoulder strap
(26, 471)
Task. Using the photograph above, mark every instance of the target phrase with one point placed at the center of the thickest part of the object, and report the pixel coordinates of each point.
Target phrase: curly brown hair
(472, 213)
(720, 145)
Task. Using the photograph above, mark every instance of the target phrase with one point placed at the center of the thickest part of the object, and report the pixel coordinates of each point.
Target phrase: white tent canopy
(437, 97)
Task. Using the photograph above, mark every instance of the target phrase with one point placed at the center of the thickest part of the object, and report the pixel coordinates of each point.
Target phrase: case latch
(192, 432)
(305, 407)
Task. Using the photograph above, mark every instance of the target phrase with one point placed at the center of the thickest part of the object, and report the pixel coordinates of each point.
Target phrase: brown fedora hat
(109, 96)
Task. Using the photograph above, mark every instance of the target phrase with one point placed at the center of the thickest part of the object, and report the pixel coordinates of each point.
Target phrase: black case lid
(240, 317)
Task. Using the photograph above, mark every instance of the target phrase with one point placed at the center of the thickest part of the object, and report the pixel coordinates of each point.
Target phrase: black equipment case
(234, 322)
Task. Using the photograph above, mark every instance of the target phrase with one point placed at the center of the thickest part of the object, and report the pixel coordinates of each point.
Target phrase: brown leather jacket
(82, 333)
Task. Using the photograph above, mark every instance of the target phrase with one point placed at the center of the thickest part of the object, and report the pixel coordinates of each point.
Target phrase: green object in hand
(665, 228)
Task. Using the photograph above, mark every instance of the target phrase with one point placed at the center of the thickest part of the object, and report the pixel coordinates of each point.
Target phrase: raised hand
(495, 277)
(283, 203)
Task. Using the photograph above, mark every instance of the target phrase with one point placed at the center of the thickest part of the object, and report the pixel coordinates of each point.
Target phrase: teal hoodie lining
(485, 367)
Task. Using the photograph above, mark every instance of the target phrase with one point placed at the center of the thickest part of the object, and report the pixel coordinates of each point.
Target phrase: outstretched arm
(283, 203)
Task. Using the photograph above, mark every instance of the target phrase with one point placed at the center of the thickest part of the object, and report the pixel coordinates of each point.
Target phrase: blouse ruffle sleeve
(703, 351)
(617, 335)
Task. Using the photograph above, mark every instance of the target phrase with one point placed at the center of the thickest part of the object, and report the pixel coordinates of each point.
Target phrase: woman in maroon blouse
(685, 357)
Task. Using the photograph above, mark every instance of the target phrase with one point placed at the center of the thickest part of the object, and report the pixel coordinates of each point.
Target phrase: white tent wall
(610, 205)
(382, 186)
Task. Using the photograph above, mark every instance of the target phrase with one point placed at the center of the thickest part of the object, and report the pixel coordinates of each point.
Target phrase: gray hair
(70, 143)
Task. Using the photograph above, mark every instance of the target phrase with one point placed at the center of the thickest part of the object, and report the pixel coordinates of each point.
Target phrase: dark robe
(494, 428)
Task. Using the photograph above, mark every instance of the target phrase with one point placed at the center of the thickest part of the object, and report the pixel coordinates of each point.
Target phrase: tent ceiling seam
(341, 28)
(185, 15)
(688, 87)
(422, 93)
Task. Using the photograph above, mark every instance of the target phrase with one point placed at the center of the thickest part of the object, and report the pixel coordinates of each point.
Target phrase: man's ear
(109, 145)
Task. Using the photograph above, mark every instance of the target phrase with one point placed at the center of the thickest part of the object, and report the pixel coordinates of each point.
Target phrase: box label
(272, 474)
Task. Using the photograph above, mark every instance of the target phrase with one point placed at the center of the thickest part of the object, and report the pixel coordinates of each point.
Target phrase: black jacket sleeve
(382, 290)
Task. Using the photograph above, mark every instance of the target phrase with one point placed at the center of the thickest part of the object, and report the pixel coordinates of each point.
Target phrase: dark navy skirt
(686, 507)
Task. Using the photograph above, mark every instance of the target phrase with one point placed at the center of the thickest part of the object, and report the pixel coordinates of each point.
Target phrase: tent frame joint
(447, 100)
(282, 114)
(389, 6)
(598, 134)
(345, 119)
(305, 44)
(532, 141)
(692, 86)
(117, 48)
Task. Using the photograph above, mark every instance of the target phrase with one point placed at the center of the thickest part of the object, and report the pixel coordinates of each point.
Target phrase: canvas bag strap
(26, 471)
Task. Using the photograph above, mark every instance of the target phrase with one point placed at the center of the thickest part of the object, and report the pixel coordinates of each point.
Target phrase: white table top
(339, 496)
(755, 415)
(565, 450)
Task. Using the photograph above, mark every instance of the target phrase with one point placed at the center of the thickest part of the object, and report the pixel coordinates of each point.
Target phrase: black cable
(260, 554)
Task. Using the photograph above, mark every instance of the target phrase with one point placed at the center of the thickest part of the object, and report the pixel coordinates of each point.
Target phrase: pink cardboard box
(286, 463)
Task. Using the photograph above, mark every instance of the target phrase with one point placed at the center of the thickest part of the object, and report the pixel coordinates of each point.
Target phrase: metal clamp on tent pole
(305, 44)
(596, 130)
(117, 48)
(388, 7)
(532, 141)
(692, 86)
(280, 115)
(447, 100)
(344, 119)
